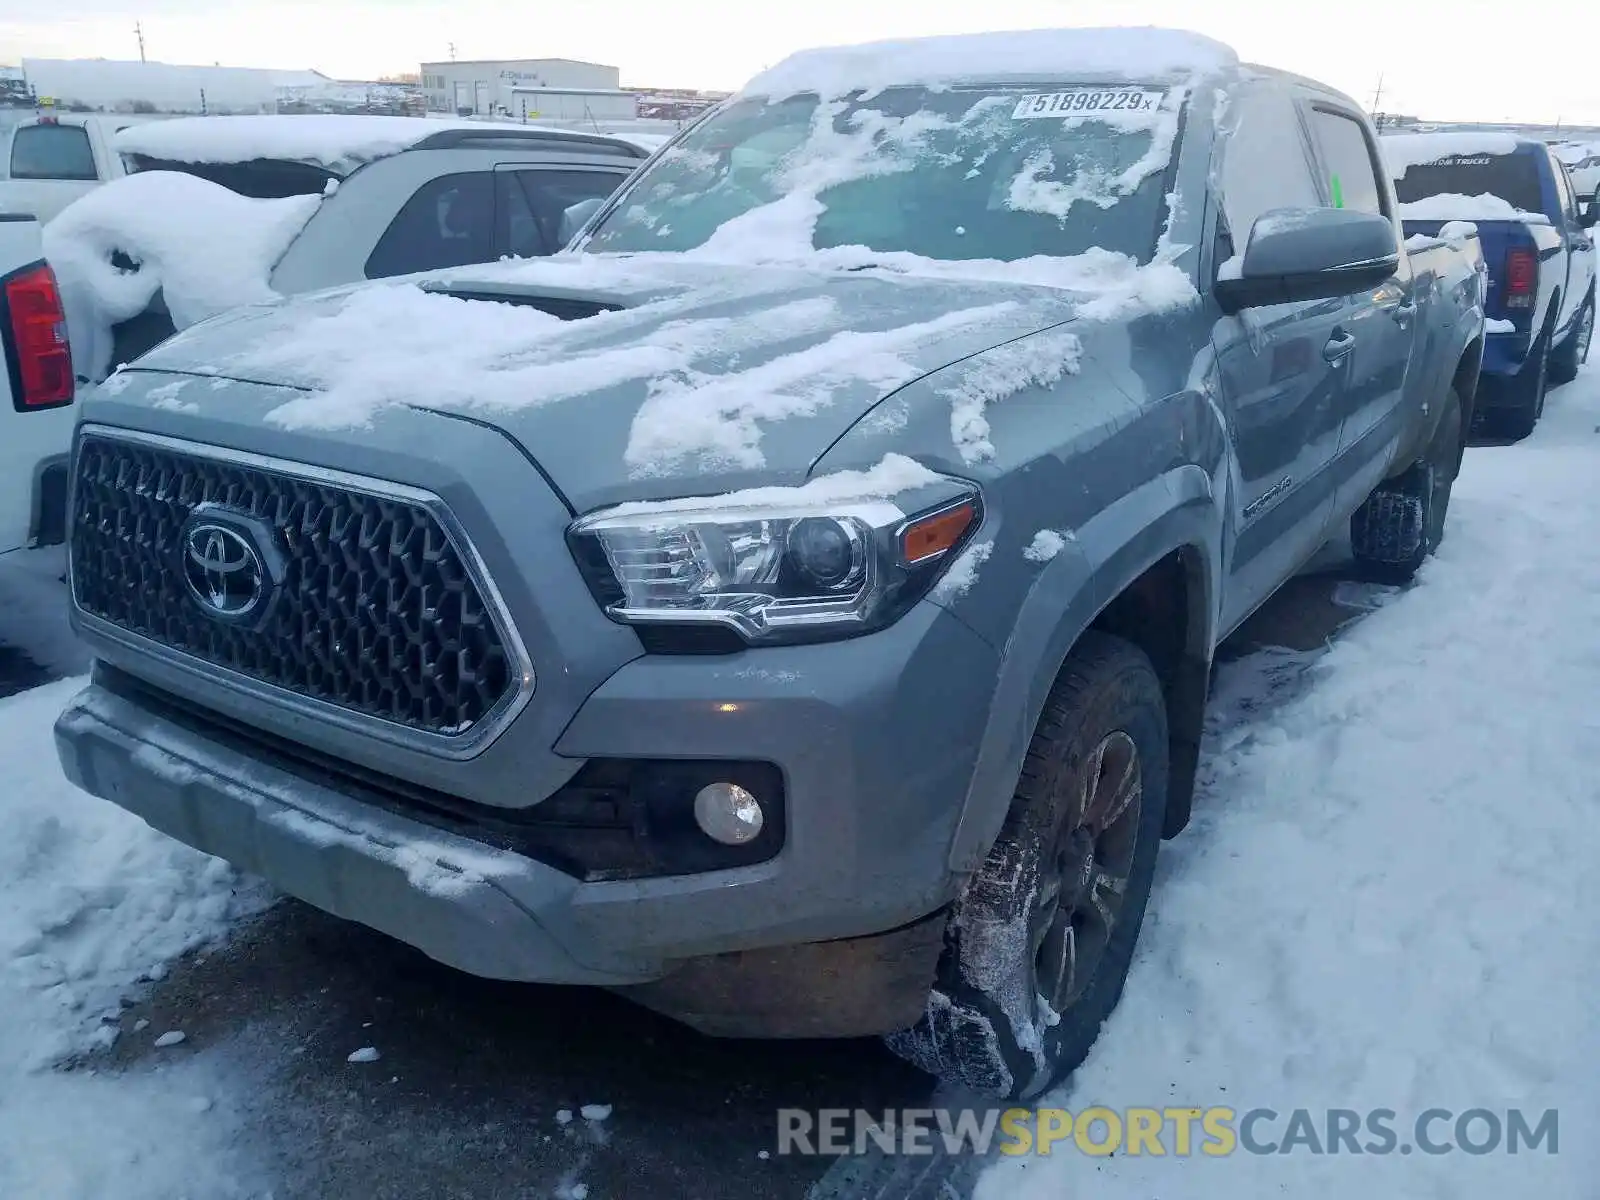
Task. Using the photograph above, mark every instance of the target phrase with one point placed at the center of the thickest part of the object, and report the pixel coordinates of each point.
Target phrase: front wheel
(1038, 947)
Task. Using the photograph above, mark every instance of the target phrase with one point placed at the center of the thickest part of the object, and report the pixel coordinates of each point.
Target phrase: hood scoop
(561, 303)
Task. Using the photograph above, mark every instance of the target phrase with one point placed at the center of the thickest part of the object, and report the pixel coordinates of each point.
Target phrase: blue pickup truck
(1535, 232)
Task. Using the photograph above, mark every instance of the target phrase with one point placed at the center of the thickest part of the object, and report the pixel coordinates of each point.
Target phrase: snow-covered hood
(664, 378)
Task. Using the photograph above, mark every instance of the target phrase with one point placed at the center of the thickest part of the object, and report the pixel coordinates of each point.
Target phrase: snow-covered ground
(92, 903)
(1387, 898)
(1385, 901)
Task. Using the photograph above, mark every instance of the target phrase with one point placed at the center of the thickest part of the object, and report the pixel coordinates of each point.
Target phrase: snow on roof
(339, 143)
(1132, 53)
(1455, 207)
(1406, 150)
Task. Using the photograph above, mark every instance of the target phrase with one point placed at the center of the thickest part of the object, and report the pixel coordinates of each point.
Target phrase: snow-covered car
(794, 606)
(1585, 173)
(270, 206)
(37, 390)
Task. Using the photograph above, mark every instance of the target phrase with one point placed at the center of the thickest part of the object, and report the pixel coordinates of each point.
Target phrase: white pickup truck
(36, 391)
(48, 161)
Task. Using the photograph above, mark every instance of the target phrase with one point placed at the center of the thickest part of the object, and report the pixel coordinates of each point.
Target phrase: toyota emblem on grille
(224, 570)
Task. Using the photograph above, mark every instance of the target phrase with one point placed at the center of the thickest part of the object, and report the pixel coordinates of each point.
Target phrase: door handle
(1403, 312)
(1339, 345)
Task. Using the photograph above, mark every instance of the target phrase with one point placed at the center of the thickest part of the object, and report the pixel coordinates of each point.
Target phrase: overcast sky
(1450, 59)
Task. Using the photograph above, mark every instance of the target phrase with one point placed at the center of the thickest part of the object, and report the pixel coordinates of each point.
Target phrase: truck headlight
(773, 571)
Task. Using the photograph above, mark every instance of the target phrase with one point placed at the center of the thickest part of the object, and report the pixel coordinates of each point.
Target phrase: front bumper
(875, 738)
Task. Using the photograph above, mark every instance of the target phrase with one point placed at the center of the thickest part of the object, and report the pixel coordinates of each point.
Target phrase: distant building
(490, 87)
(114, 86)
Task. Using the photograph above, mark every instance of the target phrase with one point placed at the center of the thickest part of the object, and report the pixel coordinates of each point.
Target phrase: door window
(449, 222)
(1350, 167)
(1264, 164)
(1564, 196)
(534, 200)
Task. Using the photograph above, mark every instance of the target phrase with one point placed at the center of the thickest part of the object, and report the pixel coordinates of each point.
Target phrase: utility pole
(138, 32)
(1377, 96)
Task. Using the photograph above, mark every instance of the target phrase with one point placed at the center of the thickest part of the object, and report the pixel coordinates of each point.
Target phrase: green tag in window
(1337, 189)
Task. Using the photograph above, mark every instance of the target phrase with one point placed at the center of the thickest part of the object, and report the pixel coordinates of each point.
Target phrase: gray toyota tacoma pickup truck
(793, 605)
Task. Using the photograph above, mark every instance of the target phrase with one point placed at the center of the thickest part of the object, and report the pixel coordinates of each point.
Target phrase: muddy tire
(1038, 947)
(1569, 357)
(1402, 522)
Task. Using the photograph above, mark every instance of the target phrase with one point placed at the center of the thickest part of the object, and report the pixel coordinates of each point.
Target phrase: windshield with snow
(950, 174)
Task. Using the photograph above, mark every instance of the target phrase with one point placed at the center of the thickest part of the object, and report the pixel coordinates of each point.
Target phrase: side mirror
(1299, 254)
(1589, 214)
(576, 217)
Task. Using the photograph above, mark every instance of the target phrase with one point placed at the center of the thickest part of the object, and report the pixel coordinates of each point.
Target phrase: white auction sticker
(1090, 102)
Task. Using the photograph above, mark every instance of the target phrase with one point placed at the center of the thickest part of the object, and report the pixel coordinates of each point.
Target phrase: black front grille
(374, 611)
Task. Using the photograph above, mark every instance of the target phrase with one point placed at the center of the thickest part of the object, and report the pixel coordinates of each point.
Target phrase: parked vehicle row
(47, 161)
(793, 606)
(1535, 228)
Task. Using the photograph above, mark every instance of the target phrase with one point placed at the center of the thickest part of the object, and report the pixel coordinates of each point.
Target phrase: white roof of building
(105, 82)
(503, 62)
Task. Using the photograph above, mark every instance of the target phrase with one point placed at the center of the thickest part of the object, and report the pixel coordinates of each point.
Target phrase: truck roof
(1123, 53)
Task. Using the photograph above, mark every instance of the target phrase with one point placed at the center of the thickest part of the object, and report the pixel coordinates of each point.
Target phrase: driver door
(1283, 369)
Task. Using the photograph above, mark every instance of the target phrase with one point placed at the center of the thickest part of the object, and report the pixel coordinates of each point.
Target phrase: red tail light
(1522, 278)
(41, 360)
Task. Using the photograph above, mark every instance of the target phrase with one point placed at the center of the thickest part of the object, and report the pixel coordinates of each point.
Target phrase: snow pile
(1454, 207)
(1123, 54)
(1046, 544)
(720, 417)
(1402, 151)
(338, 143)
(92, 901)
(1000, 373)
(205, 248)
(1499, 325)
(963, 573)
(1386, 898)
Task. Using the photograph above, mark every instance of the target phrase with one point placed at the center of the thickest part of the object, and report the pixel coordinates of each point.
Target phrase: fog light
(728, 814)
